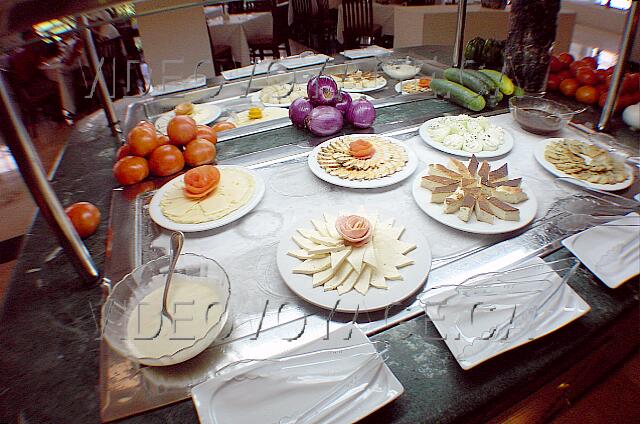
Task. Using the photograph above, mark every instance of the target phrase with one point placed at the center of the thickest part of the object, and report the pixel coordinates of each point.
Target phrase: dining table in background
(236, 31)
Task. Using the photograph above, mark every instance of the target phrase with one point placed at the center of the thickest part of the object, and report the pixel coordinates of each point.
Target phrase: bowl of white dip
(401, 69)
(198, 302)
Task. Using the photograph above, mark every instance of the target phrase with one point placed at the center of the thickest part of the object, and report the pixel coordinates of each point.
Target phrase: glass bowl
(539, 115)
(190, 333)
(401, 69)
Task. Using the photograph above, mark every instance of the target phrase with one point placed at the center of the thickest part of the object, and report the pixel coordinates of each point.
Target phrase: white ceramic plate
(277, 392)
(301, 62)
(404, 173)
(398, 90)
(605, 261)
(414, 276)
(381, 85)
(369, 51)
(528, 210)
(563, 308)
(539, 155)
(256, 98)
(203, 114)
(502, 150)
(158, 217)
(177, 86)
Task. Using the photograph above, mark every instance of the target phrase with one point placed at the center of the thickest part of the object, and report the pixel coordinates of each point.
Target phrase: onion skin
(324, 120)
(322, 90)
(299, 110)
(344, 102)
(361, 114)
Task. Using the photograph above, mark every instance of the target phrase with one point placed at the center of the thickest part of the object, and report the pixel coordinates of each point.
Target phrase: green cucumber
(493, 86)
(458, 94)
(518, 91)
(466, 78)
(505, 83)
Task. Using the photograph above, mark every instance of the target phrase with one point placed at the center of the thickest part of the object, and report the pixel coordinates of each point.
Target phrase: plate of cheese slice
(321, 263)
(239, 191)
(388, 161)
(474, 198)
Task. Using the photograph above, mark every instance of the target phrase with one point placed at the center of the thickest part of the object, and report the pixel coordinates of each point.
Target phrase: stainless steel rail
(626, 43)
(458, 46)
(19, 141)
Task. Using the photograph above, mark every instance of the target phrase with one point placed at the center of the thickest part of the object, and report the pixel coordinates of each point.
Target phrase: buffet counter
(58, 370)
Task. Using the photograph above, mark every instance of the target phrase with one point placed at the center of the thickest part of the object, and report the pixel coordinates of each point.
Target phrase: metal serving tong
(607, 142)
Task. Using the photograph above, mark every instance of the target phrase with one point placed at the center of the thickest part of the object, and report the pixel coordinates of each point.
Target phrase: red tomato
(142, 141)
(207, 133)
(602, 99)
(590, 61)
(162, 139)
(624, 100)
(146, 124)
(166, 160)
(566, 58)
(568, 87)
(587, 76)
(131, 170)
(223, 126)
(553, 82)
(555, 65)
(600, 88)
(199, 152)
(610, 70)
(563, 75)
(181, 129)
(587, 95)
(124, 150)
(85, 218)
(601, 74)
(577, 65)
(631, 83)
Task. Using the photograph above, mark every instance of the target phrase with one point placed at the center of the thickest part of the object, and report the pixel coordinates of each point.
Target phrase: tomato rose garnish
(361, 149)
(200, 181)
(354, 229)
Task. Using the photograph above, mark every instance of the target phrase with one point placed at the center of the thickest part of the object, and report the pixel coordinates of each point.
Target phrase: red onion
(322, 90)
(299, 110)
(324, 120)
(344, 101)
(361, 114)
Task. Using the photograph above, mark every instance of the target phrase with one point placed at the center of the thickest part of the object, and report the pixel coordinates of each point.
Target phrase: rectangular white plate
(301, 62)
(232, 74)
(563, 308)
(262, 393)
(592, 246)
(177, 86)
(370, 51)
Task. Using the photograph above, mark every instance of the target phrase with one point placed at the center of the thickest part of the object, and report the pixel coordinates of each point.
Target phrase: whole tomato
(555, 65)
(592, 62)
(568, 87)
(553, 82)
(577, 65)
(124, 150)
(600, 88)
(586, 76)
(199, 152)
(162, 139)
(630, 83)
(130, 170)
(223, 126)
(565, 74)
(566, 58)
(601, 74)
(181, 129)
(207, 133)
(85, 218)
(146, 124)
(587, 95)
(166, 160)
(142, 141)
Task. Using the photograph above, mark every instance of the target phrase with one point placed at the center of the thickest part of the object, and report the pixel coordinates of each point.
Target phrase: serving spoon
(177, 240)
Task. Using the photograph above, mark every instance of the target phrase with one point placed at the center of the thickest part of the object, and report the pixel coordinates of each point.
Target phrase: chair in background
(359, 29)
(235, 7)
(257, 6)
(324, 28)
(302, 20)
(279, 40)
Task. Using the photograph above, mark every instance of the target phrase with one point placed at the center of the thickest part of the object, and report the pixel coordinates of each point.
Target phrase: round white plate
(528, 210)
(502, 150)
(539, 155)
(414, 276)
(366, 90)
(405, 172)
(398, 90)
(158, 217)
(203, 114)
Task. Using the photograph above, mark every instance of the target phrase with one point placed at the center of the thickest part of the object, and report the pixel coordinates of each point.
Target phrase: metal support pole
(458, 46)
(626, 43)
(18, 140)
(94, 62)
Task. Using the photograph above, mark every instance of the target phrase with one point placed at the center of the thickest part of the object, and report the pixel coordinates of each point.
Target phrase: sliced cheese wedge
(339, 277)
(327, 249)
(370, 256)
(348, 283)
(378, 280)
(319, 278)
(356, 258)
(303, 254)
(338, 258)
(316, 237)
(362, 284)
(304, 243)
(311, 266)
(330, 223)
(320, 227)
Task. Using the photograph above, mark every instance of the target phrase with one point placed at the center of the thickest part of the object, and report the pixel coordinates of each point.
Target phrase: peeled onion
(361, 113)
(299, 110)
(324, 120)
(322, 90)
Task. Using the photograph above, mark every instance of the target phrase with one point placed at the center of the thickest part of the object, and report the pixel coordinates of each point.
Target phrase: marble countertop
(49, 333)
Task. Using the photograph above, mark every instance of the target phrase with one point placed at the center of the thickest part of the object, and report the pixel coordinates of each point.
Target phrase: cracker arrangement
(337, 159)
(585, 161)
